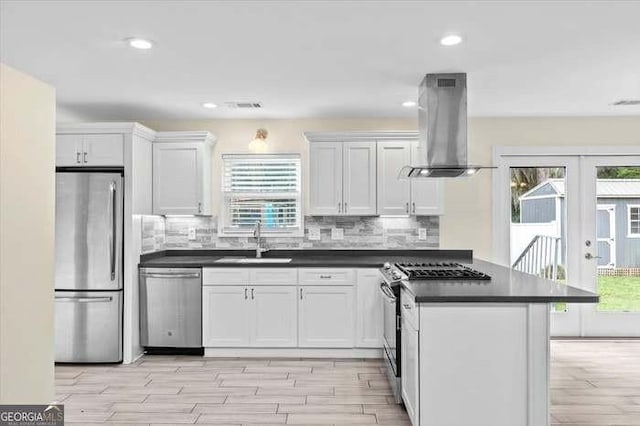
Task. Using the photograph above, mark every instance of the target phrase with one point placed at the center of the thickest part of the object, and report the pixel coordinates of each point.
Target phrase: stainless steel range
(393, 276)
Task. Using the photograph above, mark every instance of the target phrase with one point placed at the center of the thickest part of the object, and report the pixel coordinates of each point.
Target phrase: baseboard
(293, 352)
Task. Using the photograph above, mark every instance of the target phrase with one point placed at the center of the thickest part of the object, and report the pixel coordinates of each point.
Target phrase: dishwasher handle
(170, 275)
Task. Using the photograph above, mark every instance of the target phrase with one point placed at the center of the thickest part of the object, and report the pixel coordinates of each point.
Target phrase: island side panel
(483, 364)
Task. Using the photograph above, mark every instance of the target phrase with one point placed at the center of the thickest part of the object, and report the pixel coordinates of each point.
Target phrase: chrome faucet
(256, 235)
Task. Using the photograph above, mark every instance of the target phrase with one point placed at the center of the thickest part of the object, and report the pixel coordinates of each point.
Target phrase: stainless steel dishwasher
(171, 308)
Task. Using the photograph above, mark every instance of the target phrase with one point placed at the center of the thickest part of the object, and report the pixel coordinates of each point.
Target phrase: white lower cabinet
(409, 359)
(225, 316)
(326, 317)
(369, 309)
(274, 316)
(243, 316)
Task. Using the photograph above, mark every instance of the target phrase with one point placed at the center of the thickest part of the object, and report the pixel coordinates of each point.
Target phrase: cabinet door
(177, 178)
(427, 195)
(225, 316)
(325, 179)
(68, 150)
(393, 194)
(410, 372)
(274, 316)
(326, 317)
(369, 309)
(103, 150)
(359, 178)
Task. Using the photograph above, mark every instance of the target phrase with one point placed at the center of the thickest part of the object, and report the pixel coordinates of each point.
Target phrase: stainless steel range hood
(442, 122)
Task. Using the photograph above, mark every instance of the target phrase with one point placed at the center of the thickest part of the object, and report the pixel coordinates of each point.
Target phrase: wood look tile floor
(593, 382)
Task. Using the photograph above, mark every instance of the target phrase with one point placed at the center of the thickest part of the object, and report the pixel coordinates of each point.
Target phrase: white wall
(467, 222)
(27, 185)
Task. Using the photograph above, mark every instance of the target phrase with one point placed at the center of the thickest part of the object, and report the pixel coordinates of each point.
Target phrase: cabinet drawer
(225, 276)
(326, 276)
(273, 276)
(409, 309)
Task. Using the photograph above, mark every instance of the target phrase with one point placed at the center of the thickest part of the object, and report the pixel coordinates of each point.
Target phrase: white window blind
(261, 187)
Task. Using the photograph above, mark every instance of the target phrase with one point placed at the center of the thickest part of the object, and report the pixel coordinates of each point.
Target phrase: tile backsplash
(360, 232)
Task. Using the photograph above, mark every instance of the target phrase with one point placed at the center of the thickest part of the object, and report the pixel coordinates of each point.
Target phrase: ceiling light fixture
(259, 143)
(209, 105)
(140, 43)
(409, 104)
(451, 40)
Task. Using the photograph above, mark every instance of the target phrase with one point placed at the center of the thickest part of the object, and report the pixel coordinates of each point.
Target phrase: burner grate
(440, 271)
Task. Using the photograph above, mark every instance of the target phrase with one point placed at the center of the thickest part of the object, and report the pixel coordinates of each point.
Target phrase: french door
(574, 218)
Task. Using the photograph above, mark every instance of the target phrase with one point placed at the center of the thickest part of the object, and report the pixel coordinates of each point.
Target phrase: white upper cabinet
(359, 178)
(427, 195)
(182, 173)
(342, 178)
(81, 150)
(369, 309)
(394, 195)
(325, 182)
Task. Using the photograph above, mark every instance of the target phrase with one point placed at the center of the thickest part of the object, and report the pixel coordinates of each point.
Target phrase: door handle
(84, 157)
(590, 256)
(114, 230)
(84, 299)
(169, 275)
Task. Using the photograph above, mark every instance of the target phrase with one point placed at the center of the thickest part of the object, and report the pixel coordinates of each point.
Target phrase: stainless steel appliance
(393, 278)
(171, 308)
(88, 275)
(442, 122)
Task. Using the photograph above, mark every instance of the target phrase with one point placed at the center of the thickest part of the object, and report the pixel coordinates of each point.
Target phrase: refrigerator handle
(112, 236)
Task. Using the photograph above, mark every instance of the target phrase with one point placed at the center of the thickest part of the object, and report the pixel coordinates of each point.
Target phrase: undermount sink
(252, 260)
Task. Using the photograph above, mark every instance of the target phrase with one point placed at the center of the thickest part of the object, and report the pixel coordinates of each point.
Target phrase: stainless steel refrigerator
(88, 280)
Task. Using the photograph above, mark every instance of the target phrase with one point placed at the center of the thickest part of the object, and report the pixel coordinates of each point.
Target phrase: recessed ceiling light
(140, 43)
(451, 40)
(408, 104)
(209, 105)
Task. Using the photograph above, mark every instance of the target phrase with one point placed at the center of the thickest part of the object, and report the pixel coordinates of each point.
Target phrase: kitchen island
(473, 352)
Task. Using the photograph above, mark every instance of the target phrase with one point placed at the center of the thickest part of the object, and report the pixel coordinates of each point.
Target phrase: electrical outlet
(422, 234)
(192, 233)
(337, 233)
(314, 234)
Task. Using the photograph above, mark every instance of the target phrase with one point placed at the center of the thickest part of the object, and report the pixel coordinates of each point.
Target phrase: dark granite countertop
(506, 285)
(300, 258)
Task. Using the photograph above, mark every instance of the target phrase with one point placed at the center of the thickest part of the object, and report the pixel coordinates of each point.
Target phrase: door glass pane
(538, 222)
(618, 238)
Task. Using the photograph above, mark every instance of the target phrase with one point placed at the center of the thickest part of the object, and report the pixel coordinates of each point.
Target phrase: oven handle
(387, 292)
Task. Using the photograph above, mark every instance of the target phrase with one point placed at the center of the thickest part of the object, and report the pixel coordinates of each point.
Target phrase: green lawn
(620, 294)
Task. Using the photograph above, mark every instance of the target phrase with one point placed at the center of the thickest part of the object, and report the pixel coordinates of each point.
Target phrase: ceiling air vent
(627, 102)
(243, 105)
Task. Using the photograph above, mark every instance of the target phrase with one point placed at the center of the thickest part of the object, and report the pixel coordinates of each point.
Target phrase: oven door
(390, 325)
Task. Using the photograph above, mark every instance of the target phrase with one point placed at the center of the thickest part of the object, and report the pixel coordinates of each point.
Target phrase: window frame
(265, 232)
(629, 233)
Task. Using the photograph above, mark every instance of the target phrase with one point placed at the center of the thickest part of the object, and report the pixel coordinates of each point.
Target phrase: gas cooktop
(440, 271)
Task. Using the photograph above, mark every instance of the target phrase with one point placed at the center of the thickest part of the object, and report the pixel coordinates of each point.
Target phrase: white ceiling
(324, 58)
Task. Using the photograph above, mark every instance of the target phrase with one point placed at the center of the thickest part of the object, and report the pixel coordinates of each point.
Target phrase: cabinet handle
(339, 207)
(345, 207)
(84, 157)
(246, 296)
(413, 205)
(199, 207)
(252, 294)
(300, 294)
(78, 157)
(407, 207)
(325, 276)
